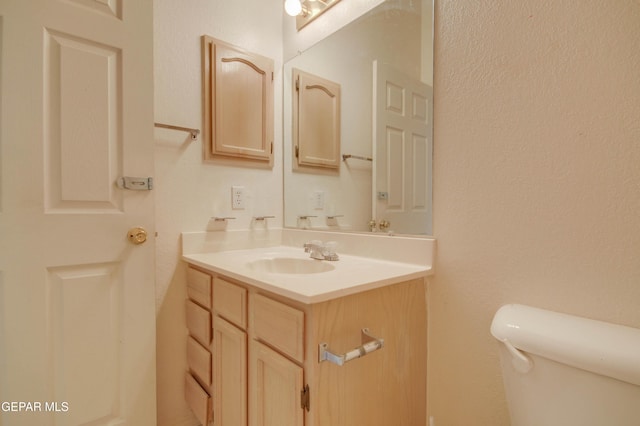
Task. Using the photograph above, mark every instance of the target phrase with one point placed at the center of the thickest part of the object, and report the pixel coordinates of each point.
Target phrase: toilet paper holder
(369, 344)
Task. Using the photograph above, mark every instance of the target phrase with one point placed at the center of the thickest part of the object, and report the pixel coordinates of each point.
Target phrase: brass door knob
(137, 235)
(384, 225)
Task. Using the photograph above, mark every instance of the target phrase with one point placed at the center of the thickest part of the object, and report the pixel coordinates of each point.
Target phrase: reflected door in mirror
(402, 139)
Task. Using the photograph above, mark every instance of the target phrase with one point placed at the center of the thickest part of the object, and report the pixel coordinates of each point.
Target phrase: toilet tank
(563, 370)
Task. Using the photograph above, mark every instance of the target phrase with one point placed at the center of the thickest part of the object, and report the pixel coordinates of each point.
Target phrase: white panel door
(403, 148)
(77, 306)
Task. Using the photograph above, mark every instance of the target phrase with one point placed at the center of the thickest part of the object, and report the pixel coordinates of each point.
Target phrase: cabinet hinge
(304, 398)
(272, 147)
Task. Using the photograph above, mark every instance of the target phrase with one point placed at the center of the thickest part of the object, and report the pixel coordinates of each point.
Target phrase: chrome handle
(369, 344)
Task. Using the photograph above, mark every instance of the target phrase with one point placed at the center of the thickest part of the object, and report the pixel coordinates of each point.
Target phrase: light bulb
(293, 7)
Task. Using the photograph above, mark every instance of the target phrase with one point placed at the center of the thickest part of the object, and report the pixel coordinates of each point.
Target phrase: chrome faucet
(319, 250)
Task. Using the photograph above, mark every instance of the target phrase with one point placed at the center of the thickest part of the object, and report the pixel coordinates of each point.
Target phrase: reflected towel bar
(222, 219)
(369, 344)
(259, 218)
(194, 132)
(357, 157)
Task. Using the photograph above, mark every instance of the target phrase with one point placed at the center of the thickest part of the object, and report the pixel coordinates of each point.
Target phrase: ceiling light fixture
(293, 7)
(306, 11)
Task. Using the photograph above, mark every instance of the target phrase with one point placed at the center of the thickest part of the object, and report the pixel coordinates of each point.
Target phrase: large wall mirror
(383, 65)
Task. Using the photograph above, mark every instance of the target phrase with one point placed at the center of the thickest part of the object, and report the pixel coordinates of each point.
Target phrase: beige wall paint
(537, 180)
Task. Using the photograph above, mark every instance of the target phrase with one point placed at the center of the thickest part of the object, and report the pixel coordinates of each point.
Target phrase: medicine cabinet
(316, 121)
(238, 103)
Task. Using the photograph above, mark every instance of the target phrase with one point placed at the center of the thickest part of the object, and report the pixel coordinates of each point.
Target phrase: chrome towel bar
(194, 132)
(369, 344)
(357, 157)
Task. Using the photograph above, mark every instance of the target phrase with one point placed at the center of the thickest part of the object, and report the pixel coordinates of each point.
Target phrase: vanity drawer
(199, 323)
(230, 302)
(199, 360)
(279, 325)
(198, 400)
(199, 287)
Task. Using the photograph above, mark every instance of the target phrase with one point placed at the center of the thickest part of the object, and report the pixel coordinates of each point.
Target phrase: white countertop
(350, 275)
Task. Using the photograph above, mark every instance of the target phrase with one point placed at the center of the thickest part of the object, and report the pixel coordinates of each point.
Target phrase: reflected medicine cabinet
(316, 121)
(238, 103)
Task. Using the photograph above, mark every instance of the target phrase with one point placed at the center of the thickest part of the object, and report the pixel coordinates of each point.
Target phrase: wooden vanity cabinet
(265, 362)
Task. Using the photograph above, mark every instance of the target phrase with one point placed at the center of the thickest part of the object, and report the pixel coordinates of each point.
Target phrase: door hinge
(298, 84)
(297, 152)
(272, 147)
(304, 398)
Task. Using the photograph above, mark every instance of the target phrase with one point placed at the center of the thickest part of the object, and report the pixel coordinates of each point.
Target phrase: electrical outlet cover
(237, 197)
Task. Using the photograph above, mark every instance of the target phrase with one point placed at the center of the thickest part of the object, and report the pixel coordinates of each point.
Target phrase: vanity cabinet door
(274, 388)
(229, 374)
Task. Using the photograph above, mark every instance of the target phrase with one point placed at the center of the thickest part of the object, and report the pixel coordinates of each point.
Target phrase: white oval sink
(290, 265)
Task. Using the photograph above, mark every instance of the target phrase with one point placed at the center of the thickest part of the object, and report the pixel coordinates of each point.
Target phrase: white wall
(537, 180)
(188, 191)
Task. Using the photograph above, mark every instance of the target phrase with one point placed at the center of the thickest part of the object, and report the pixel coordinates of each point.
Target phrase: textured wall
(537, 180)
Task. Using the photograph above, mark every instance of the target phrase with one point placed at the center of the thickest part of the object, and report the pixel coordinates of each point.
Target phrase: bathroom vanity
(284, 342)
